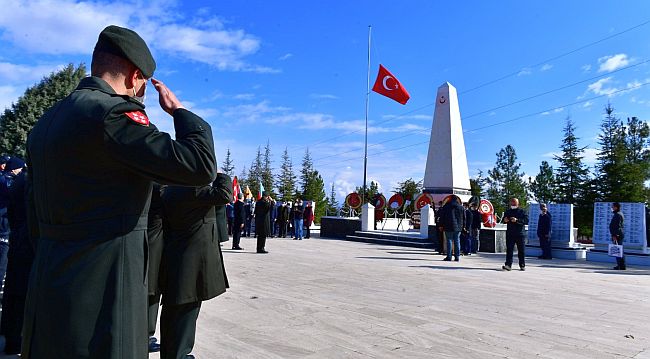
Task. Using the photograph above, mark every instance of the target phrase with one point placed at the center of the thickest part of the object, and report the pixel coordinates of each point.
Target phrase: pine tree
(307, 169)
(505, 181)
(18, 120)
(315, 191)
(254, 177)
(636, 167)
(371, 191)
(267, 170)
(332, 203)
(409, 188)
(572, 175)
(228, 167)
(543, 187)
(242, 179)
(610, 167)
(286, 179)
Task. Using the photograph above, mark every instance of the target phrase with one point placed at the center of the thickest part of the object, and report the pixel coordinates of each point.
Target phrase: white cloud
(613, 62)
(557, 110)
(323, 96)
(24, 73)
(244, 96)
(408, 117)
(285, 57)
(587, 104)
(546, 67)
(72, 27)
(586, 68)
(600, 87)
(524, 71)
(8, 95)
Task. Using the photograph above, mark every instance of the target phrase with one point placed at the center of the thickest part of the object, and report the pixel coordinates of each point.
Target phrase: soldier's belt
(115, 226)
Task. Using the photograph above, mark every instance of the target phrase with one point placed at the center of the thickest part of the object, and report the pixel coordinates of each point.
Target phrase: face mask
(513, 207)
(144, 93)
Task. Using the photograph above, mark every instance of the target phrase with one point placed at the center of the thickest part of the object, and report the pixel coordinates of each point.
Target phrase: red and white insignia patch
(138, 117)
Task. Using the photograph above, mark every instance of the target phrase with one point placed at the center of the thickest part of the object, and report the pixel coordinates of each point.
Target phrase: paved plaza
(323, 298)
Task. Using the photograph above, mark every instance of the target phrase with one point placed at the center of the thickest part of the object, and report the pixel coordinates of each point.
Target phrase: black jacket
(544, 224)
(155, 238)
(517, 228)
(452, 216)
(262, 218)
(476, 219)
(192, 267)
(240, 214)
(616, 225)
(469, 219)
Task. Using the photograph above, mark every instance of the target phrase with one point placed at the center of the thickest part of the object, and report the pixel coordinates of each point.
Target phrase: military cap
(4, 159)
(14, 163)
(127, 44)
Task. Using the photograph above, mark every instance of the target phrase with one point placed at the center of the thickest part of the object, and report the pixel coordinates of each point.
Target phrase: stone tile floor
(323, 298)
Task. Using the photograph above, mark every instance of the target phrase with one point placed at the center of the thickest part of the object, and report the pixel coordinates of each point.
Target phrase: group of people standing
(458, 228)
(270, 219)
(16, 250)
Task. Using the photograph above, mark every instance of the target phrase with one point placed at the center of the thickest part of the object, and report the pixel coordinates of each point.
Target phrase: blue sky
(294, 72)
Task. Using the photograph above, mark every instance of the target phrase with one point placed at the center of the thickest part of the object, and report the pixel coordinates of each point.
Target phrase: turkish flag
(235, 188)
(387, 85)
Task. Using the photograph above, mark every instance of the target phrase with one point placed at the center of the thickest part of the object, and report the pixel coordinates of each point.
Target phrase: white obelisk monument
(446, 172)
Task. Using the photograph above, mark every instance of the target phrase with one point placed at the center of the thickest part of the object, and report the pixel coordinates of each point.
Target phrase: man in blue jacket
(616, 230)
(453, 221)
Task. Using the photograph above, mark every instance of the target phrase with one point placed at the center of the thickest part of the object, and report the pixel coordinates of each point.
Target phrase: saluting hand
(168, 101)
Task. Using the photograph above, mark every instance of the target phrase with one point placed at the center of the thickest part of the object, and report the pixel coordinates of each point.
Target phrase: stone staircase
(392, 238)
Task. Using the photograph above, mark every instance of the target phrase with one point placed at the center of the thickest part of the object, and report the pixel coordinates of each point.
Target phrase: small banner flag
(235, 188)
(387, 85)
(259, 195)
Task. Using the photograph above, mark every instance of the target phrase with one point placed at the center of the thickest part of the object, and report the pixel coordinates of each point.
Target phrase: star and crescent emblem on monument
(385, 83)
(443, 99)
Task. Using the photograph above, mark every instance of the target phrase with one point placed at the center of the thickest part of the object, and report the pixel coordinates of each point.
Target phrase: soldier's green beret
(127, 44)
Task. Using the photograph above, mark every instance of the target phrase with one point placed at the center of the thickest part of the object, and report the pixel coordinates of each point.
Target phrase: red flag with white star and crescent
(388, 85)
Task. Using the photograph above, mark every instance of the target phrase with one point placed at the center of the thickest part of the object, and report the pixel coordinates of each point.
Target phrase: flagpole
(365, 147)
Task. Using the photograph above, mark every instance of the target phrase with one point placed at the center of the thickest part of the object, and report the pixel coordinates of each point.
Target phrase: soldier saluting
(87, 295)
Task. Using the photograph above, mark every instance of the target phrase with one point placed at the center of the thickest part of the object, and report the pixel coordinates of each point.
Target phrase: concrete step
(390, 242)
(396, 236)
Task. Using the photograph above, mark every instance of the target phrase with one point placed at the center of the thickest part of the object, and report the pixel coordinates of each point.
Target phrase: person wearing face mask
(616, 230)
(87, 294)
(516, 220)
(544, 231)
(297, 220)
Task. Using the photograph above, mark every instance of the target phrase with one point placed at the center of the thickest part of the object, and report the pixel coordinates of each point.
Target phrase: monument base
(595, 255)
(339, 227)
(579, 254)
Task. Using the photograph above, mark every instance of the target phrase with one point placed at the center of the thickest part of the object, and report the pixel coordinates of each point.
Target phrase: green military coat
(92, 158)
(192, 269)
(155, 239)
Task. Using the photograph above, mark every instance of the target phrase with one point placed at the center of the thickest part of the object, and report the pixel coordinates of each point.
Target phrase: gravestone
(563, 235)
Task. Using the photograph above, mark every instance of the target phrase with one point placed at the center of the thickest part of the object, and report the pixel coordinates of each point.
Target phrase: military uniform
(192, 267)
(87, 295)
(156, 244)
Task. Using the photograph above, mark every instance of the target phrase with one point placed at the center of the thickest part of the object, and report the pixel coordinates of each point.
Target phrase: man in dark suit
(238, 221)
(192, 267)
(544, 232)
(452, 216)
(262, 221)
(516, 220)
(616, 231)
(87, 295)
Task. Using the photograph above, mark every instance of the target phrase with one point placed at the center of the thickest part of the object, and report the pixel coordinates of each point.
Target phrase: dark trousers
(13, 308)
(283, 229)
(178, 329)
(236, 236)
(466, 243)
(475, 239)
(511, 241)
(247, 227)
(620, 262)
(154, 303)
(545, 245)
(261, 242)
(230, 228)
(307, 232)
(4, 250)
